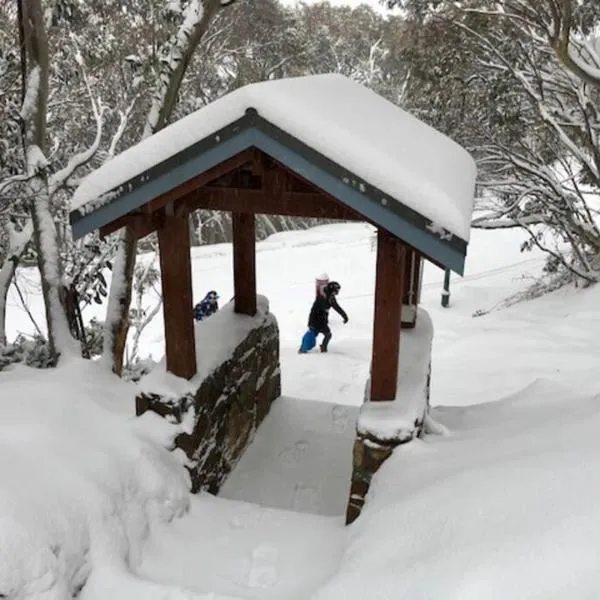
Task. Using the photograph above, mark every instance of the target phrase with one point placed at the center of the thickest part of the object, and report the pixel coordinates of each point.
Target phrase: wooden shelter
(245, 163)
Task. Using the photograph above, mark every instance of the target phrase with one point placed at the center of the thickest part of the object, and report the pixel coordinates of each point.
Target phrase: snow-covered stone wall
(220, 416)
(383, 426)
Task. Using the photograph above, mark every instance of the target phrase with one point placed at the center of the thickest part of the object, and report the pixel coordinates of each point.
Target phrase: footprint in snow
(292, 454)
(305, 498)
(340, 419)
(263, 567)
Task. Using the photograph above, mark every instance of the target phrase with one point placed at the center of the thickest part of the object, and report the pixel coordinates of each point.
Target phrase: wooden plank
(292, 204)
(176, 277)
(412, 280)
(387, 319)
(418, 277)
(235, 162)
(244, 262)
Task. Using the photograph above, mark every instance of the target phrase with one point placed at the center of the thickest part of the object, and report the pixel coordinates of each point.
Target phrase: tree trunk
(33, 114)
(117, 318)
(165, 97)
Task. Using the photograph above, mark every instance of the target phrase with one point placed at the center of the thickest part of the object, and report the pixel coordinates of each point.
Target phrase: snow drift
(81, 483)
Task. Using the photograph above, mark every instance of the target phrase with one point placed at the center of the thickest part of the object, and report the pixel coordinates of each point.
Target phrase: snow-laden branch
(587, 61)
(123, 120)
(492, 222)
(9, 182)
(60, 178)
(173, 55)
(538, 98)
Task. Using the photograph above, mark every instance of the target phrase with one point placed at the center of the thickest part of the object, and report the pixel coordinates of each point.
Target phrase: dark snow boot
(323, 348)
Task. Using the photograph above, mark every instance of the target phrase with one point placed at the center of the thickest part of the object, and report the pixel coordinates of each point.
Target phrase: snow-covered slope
(503, 502)
(501, 505)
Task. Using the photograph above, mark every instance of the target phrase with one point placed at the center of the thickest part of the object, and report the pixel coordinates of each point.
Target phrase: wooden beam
(142, 225)
(235, 162)
(387, 319)
(291, 204)
(244, 262)
(176, 277)
(258, 162)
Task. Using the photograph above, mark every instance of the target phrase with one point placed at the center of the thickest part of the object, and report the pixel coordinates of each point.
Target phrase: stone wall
(384, 426)
(226, 408)
(368, 454)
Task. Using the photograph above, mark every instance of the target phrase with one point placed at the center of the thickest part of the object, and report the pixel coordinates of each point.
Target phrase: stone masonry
(228, 406)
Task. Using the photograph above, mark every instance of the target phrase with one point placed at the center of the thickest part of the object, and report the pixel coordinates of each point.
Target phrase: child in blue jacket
(207, 307)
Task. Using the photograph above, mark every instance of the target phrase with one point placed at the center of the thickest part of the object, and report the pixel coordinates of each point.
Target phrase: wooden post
(176, 277)
(244, 262)
(446, 289)
(388, 316)
(412, 287)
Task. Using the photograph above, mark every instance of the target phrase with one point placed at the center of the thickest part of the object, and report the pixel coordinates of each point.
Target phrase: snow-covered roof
(376, 142)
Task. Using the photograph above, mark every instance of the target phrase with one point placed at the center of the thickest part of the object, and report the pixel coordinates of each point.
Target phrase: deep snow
(501, 505)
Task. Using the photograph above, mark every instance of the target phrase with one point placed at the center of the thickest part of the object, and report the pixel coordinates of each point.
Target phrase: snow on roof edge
(411, 161)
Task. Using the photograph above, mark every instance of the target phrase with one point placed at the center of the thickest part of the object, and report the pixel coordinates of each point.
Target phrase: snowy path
(245, 551)
(301, 459)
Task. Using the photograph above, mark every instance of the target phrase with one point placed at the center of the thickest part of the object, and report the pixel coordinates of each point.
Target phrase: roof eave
(253, 131)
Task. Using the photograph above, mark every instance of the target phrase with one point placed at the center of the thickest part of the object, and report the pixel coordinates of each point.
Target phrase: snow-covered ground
(501, 505)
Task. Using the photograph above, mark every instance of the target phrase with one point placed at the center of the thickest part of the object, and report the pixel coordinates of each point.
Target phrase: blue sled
(309, 341)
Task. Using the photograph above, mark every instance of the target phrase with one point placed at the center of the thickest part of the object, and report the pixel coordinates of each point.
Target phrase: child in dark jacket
(318, 320)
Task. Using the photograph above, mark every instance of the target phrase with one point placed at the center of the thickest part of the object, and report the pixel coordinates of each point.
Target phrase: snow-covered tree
(540, 157)
(192, 18)
(35, 185)
(34, 48)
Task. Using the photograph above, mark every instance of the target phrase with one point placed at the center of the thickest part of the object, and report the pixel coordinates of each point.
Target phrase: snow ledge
(398, 421)
(216, 340)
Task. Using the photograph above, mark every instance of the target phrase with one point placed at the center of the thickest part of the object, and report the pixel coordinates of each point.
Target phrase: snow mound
(81, 485)
(507, 502)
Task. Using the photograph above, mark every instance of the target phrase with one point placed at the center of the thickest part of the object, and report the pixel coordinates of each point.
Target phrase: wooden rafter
(250, 182)
(231, 164)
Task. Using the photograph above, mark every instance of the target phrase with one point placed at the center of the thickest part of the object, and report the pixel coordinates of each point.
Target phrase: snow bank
(216, 340)
(396, 420)
(507, 502)
(81, 483)
(364, 133)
